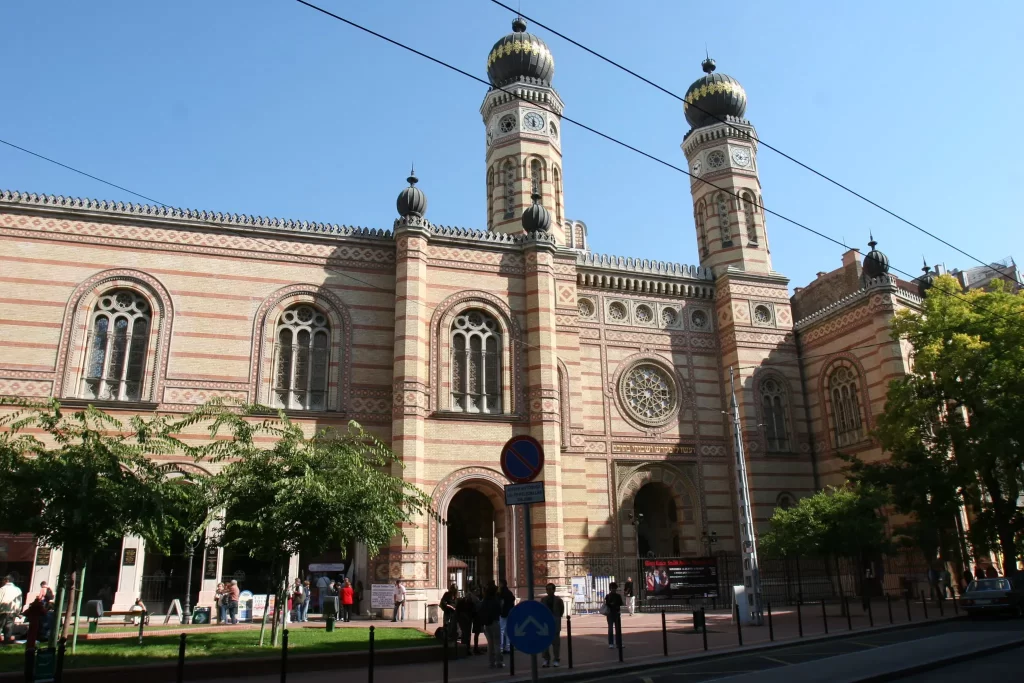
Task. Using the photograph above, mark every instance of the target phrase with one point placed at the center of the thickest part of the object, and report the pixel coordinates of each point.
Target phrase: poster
(691, 577)
(259, 606)
(579, 589)
(382, 596)
(129, 557)
(245, 606)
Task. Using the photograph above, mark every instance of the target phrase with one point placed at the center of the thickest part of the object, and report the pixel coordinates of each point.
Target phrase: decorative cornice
(734, 128)
(871, 286)
(194, 216)
(466, 234)
(592, 261)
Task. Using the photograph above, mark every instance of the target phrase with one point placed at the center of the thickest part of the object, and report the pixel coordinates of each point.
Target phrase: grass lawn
(125, 651)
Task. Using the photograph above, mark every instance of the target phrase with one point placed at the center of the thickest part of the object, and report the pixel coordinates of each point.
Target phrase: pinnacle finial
(708, 65)
(871, 240)
(926, 267)
(412, 179)
(518, 25)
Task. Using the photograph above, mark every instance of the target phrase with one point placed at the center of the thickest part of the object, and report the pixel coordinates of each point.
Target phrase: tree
(837, 522)
(304, 494)
(191, 504)
(955, 421)
(88, 484)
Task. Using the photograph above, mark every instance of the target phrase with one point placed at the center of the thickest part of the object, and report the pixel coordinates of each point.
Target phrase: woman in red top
(347, 596)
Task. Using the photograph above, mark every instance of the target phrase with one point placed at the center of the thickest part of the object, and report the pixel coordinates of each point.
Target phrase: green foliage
(837, 522)
(953, 426)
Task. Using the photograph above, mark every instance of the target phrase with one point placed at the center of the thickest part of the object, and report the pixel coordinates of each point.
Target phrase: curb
(669, 661)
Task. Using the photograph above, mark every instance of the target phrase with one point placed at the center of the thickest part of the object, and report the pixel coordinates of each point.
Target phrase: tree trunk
(187, 612)
(263, 622)
(72, 593)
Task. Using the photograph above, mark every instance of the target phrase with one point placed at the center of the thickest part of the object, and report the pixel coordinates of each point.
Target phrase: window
(536, 182)
(773, 406)
(702, 235)
(116, 347)
(723, 219)
(784, 501)
(476, 363)
(508, 173)
(301, 359)
(842, 387)
(748, 217)
(557, 181)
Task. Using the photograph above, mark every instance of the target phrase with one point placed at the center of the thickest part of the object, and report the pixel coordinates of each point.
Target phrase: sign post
(522, 460)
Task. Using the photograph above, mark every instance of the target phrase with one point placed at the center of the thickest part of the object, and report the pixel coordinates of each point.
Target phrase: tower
(522, 117)
(721, 150)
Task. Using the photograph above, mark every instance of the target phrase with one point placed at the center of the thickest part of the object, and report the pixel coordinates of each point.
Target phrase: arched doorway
(475, 539)
(657, 521)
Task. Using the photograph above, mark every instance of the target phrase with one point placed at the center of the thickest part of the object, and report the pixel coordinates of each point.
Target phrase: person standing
(447, 605)
(613, 614)
(45, 594)
(10, 608)
(508, 601)
(307, 593)
(464, 612)
(220, 599)
(556, 606)
(348, 596)
(399, 598)
(490, 615)
(296, 598)
(476, 595)
(627, 592)
(233, 594)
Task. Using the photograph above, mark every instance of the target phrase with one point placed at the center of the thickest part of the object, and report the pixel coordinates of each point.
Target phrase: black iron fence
(686, 584)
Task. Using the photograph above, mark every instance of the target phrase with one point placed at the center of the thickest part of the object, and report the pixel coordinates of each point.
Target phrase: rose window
(648, 392)
(762, 315)
(644, 314)
(699, 319)
(586, 308)
(617, 311)
(669, 317)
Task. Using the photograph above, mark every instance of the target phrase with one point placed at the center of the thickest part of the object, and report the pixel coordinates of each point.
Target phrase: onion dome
(520, 54)
(712, 97)
(536, 218)
(876, 264)
(927, 279)
(411, 200)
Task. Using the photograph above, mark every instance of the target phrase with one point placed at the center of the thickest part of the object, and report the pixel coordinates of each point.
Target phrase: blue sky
(266, 107)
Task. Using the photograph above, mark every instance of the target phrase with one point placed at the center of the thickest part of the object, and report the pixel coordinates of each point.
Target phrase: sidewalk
(642, 640)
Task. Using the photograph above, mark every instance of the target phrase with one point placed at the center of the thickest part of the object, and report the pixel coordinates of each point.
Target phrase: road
(778, 658)
(1003, 666)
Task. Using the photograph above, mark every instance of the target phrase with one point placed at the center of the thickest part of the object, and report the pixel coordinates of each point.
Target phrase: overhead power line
(761, 142)
(597, 132)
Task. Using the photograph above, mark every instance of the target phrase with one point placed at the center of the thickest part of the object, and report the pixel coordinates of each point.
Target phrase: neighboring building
(445, 342)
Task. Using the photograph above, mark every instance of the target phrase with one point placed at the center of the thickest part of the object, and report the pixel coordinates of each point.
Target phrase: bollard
(871, 616)
(940, 600)
(58, 672)
(511, 659)
(142, 625)
(181, 658)
(956, 610)
(284, 655)
(800, 618)
(849, 618)
(771, 628)
(568, 637)
(824, 615)
(704, 631)
(444, 657)
(618, 632)
(739, 626)
(370, 673)
(888, 604)
(664, 634)
(906, 597)
(924, 605)
(30, 664)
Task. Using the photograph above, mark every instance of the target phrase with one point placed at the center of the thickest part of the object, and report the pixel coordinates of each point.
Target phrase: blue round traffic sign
(531, 627)
(522, 459)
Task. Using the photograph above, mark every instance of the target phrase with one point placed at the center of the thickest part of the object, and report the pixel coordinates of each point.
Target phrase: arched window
(556, 179)
(116, 347)
(476, 363)
(702, 233)
(508, 173)
(748, 217)
(842, 387)
(785, 501)
(723, 219)
(773, 407)
(301, 359)
(536, 178)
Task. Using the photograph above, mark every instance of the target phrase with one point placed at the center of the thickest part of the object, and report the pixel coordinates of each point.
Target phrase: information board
(382, 596)
(681, 577)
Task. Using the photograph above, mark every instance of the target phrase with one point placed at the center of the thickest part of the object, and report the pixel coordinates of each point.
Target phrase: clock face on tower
(507, 124)
(741, 156)
(716, 159)
(533, 121)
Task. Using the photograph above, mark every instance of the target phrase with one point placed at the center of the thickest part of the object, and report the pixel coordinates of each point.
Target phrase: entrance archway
(658, 521)
(475, 538)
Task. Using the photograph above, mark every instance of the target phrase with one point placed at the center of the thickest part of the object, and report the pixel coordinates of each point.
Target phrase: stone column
(49, 571)
(129, 584)
(212, 567)
(542, 402)
(411, 404)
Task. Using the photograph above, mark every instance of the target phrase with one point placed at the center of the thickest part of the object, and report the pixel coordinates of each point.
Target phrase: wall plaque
(43, 557)
(210, 563)
(653, 448)
(129, 557)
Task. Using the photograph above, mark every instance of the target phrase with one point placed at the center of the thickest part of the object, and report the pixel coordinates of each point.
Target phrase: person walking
(10, 608)
(490, 616)
(347, 600)
(627, 592)
(399, 598)
(508, 601)
(233, 594)
(613, 614)
(556, 606)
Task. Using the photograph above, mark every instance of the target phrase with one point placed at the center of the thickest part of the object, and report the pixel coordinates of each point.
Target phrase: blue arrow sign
(531, 627)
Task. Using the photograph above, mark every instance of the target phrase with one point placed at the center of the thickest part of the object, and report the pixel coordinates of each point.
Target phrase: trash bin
(330, 611)
(201, 615)
(432, 614)
(740, 597)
